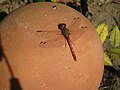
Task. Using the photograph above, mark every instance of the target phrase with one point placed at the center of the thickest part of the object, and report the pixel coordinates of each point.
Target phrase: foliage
(115, 37)
(102, 31)
(54, 0)
(114, 51)
(38, 0)
(1, 11)
(107, 61)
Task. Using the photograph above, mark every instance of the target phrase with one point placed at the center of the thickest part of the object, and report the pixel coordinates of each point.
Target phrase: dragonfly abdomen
(71, 48)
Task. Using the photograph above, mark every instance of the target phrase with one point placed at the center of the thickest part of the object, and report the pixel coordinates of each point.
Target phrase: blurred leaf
(54, 0)
(114, 53)
(107, 61)
(1, 11)
(115, 36)
(102, 31)
(38, 0)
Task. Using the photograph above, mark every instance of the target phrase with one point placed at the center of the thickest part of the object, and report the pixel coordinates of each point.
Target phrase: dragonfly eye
(61, 26)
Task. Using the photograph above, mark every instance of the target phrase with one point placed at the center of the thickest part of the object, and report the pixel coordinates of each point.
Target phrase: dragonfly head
(61, 26)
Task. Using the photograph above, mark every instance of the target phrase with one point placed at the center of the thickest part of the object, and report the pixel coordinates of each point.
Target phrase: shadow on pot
(14, 82)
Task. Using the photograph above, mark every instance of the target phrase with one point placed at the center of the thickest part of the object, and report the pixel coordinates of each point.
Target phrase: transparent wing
(56, 39)
(55, 42)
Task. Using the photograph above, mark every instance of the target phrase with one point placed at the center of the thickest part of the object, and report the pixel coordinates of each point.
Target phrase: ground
(105, 12)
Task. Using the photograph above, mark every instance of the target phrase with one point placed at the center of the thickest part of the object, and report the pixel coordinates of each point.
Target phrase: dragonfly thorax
(61, 26)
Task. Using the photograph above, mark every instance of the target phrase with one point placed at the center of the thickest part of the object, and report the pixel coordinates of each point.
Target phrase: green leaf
(114, 53)
(102, 31)
(54, 0)
(115, 37)
(1, 11)
(107, 60)
(39, 0)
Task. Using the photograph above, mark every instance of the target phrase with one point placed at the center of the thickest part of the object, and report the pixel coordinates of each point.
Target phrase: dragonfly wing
(76, 29)
(59, 40)
(55, 42)
(76, 32)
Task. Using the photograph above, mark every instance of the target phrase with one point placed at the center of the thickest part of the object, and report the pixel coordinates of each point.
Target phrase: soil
(105, 12)
(100, 11)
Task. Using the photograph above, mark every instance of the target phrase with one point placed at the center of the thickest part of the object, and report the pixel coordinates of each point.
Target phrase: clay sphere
(36, 56)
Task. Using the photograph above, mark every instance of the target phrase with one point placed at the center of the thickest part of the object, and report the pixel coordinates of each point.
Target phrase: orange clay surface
(49, 65)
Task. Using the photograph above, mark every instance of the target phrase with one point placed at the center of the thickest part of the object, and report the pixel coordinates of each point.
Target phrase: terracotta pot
(34, 60)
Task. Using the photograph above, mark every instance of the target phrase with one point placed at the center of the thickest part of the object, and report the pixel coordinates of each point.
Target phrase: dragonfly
(67, 33)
